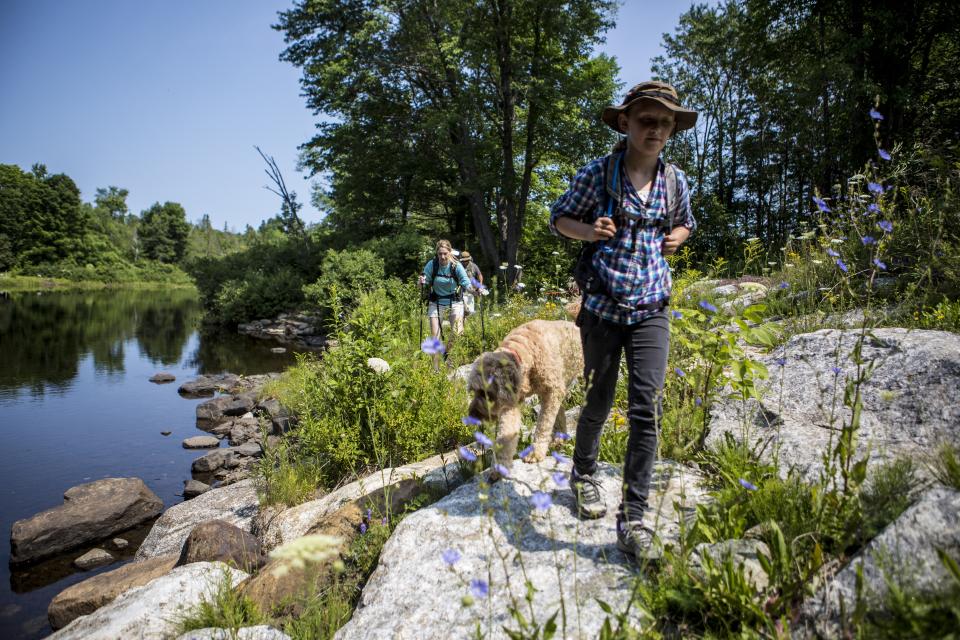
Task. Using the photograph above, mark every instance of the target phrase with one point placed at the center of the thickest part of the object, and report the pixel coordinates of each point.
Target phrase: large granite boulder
(236, 504)
(904, 553)
(416, 593)
(90, 512)
(259, 632)
(213, 412)
(91, 594)
(911, 402)
(274, 529)
(216, 540)
(153, 610)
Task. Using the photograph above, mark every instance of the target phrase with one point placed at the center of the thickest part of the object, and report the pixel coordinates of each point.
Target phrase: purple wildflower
(470, 421)
(782, 362)
(880, 265)
(832, 253)
(383, 520)
(873, 208)
(450, 556)
(836, 370)
(698, 401)
(479, 588)
(502, 470)
(475, 283)
(876, 115)
(783, 285)
(559, 478)
(526, 452)
(886, 226)
(821, 204)
(840, 263)
(679, 371)
(541, 501)
(746, 484)
(868, 240)
(707, 306)
(467, 455)
(875, 187)
(561, 435)
(676, 315)
(885, 155)
(559, 457)
(482, 439)
(432, 346)
(369, 514)
(363, 528)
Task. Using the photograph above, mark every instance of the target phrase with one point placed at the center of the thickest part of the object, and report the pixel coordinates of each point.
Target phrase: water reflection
(44, 337)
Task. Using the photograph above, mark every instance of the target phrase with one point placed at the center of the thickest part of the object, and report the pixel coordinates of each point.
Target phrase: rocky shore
(298, 330)
(434, 553)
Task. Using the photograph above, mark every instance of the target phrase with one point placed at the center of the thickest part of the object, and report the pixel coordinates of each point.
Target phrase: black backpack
(428, 293)
(584, 274)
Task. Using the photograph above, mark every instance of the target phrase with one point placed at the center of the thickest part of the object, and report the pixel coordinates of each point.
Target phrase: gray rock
(904, 552)
(213, 412)
(212, 461)
(207, 385)
(193, 488)
(278, 349)
(120, 543)
(151, 612)
(911, 402)
(90, 512)
(201, 442)
(93, 558)
(162, 378)
(745, 554)
(260, 632)
(236, 504)
(725, 290)
(250, 450)
(401, 598)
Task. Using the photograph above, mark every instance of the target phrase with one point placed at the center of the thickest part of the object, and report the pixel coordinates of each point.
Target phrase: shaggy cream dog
(540, 357)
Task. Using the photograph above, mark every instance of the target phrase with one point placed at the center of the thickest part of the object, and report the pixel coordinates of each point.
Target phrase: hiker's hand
(673, 241)
(422, 280)
(603, 229)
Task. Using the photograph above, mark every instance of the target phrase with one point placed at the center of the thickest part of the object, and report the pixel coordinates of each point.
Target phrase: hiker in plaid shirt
(627, 309)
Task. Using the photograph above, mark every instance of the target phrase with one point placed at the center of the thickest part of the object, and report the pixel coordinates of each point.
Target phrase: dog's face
(494, 384)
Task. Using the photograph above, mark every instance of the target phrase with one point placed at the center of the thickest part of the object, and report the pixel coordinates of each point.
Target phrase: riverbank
(30, 284)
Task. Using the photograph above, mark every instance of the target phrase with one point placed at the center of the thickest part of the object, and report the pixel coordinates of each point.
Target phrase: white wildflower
(304, 551)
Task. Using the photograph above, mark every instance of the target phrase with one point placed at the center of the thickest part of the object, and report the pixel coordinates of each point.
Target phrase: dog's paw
(537, 455)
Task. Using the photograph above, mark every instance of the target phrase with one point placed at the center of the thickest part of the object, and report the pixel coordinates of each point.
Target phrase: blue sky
(167, 99)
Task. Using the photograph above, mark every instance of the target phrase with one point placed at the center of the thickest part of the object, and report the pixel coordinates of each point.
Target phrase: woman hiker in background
(636, 209)
(476, 280)
(446, 280)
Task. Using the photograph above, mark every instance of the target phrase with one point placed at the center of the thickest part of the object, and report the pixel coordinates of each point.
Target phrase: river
(76, 405)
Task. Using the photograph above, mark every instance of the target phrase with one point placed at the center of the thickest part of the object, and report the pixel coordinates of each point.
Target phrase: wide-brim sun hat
(659, 92)
(465, 256)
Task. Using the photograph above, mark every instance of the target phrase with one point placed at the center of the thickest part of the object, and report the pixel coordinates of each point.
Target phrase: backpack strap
(614, 187)
(672, 217)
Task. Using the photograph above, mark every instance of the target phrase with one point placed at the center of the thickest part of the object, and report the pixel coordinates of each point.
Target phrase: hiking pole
(483, 328)
(420, 315)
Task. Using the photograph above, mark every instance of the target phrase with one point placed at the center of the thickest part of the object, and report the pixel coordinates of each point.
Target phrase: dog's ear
(506, 378)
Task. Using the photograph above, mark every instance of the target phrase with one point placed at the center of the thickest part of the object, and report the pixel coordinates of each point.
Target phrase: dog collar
(513, 353)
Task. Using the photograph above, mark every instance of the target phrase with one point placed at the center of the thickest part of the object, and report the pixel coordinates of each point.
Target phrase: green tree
(163, 232)
(112, 200)
(442, 113)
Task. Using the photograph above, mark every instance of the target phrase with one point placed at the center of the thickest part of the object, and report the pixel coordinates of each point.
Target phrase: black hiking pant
(646, 345)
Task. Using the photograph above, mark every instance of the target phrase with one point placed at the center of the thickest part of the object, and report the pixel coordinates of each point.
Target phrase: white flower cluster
(304, 551)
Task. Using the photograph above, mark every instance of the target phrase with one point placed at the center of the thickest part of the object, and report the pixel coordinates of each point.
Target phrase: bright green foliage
(946, 465)
(344, 276)
(163, 232)
(260, 295)
(224, 609)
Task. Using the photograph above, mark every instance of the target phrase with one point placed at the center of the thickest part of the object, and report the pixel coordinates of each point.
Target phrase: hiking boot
(586, 492)
(639, 542)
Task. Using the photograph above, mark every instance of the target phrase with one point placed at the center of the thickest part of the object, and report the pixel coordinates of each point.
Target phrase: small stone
(165, 433)
(120, 543)
(278, 350)
(193, 488)
(251, 449)
(93, 558)
(162, 378)
(201, 442)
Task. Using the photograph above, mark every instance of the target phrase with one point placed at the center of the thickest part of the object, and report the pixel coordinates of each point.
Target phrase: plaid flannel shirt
(630, 265)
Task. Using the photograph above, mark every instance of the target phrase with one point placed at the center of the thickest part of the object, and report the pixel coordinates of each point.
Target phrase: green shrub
(344, 276)
(259, 295)
(223, 609)
(887, 493)
(946, 466)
